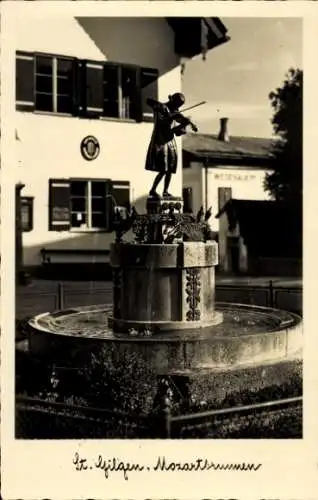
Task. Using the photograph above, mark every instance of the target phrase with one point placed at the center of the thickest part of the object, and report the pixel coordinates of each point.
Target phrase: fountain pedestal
(164, 287)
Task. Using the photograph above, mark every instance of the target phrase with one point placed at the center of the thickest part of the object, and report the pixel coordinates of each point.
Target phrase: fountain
(164, 308)
(164, 297)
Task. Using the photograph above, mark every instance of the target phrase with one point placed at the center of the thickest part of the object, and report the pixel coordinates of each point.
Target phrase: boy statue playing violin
(162, 155)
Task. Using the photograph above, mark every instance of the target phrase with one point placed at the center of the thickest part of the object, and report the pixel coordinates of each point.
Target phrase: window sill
(118, 120)
(83, 117)
(88, 230)
(52, 113)
(100, 118)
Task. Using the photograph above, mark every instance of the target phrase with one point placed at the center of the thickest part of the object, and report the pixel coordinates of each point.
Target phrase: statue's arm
(159, 108)
(154, 104)
(179, 130)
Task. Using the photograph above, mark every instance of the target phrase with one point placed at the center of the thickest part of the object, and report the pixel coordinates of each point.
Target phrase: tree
(285, 183)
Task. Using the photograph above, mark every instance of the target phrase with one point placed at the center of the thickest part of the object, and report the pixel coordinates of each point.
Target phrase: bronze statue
(162, 155)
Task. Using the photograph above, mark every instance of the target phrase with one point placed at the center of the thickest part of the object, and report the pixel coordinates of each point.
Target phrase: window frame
(55, 58)
(88, 202)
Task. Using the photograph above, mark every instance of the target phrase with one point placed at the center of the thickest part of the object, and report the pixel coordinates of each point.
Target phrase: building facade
(262, 238)
(219, 167)
(83, 125)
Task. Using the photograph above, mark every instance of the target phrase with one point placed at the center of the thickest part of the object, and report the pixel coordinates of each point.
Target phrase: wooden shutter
(93, 92)
(187, 195)
(79, 98)
(224, 195)
(25, 81)
(121, 193)
(59, 205)
(111, 86)
(149, 90)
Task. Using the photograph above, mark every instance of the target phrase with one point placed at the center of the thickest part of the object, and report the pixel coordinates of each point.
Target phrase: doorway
(233, 251)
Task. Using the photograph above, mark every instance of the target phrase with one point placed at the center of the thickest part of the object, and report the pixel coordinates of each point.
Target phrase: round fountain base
(247, 336)
(155, 327)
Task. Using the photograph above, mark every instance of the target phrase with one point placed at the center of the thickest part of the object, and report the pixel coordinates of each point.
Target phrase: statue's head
(176, 100)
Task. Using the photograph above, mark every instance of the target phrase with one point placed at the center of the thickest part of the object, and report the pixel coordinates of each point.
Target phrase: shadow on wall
(107, 35)
(82, 256)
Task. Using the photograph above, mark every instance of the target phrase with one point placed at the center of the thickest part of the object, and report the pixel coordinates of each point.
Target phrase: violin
(179, 117)
(184, 122)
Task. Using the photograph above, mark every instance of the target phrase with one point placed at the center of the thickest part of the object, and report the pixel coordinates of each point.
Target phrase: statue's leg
(172, 160)
(167, 184)
(158, 178)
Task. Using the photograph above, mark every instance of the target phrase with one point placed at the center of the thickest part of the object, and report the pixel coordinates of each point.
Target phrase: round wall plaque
(90, 148)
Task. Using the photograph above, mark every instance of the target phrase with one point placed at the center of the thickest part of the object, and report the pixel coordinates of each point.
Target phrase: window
(53, 84)
(88, 204)
(26, 207)
(84, 88)
(85, 204)
(224, 195)
(187, 195)
(120, 92)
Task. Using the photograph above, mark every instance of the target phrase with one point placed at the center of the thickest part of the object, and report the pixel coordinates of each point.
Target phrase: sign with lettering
(234, 177)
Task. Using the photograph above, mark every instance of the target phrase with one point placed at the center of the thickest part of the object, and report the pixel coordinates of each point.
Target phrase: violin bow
(192, 107)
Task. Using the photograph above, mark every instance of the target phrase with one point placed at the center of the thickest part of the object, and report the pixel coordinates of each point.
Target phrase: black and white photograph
(158, 228)
(158, 265)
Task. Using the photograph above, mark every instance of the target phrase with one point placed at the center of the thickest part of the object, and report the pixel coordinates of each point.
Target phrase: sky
(237, 77)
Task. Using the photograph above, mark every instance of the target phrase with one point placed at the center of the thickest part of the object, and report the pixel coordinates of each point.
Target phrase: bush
(21, 329)
(118, 380)
(112, 379)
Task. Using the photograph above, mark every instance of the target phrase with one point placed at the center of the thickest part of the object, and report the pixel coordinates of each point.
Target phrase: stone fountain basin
(248, 336)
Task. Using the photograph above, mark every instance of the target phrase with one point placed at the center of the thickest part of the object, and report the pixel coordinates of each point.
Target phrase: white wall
(50, 145)
(246, 183)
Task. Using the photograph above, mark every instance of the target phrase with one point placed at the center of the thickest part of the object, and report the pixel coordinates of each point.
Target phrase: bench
(73, 256)
(75, 264)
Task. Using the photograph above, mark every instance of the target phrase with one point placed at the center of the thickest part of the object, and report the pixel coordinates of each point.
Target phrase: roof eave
(229, 156)
(216, 35)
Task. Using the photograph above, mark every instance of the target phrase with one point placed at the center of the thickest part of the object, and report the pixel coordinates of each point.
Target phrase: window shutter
(121, 193)
(79, 98)
(25, 81)
(224, 195)
(111, 95)
(59, 205)
(93, 81)
(149, 90)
